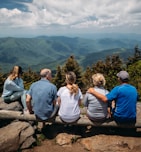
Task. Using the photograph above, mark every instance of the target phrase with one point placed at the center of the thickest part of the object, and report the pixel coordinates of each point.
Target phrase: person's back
(43, 93)
(125, 98)
(69, 108)
(69, 98)
(43, 96)
(97, 110)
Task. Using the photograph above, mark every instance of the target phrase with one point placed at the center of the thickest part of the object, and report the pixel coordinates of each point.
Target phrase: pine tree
(29, 77)
(109, 68)
(72, 65)
(87, 79)
(59, 79)
(135, 75)
(135, 57)
(112, 67)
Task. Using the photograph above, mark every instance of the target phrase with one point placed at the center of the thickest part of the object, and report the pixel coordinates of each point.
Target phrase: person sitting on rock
(13, 89)
(69, 99)
(125, 97)
(41, 97)
(97, 110)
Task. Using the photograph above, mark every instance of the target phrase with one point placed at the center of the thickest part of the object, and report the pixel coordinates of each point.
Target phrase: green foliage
(29, 77)
(72, 65)
(58, 80)
(108, 67)
(53, 51)
(94, 57)
(135, 75)
(87, 79)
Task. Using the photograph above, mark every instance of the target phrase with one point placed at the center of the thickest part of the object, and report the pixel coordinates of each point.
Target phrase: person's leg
(23, 100)
(7, 99)
(15, 96)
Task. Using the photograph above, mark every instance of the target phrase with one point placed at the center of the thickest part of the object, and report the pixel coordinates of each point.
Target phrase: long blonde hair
(99, 80)
(71, 79)
(15, 72)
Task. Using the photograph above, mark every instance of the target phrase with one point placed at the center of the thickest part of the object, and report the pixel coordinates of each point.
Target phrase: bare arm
(28, 103)
(59, 100)
(55, 102)
(97, 95)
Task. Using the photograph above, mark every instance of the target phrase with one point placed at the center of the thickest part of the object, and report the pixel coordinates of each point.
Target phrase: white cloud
(76, 14)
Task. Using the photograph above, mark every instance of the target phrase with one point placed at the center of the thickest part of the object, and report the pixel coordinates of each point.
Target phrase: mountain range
(51, 51)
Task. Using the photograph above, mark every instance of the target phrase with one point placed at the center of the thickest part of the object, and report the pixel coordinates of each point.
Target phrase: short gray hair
(45, 72)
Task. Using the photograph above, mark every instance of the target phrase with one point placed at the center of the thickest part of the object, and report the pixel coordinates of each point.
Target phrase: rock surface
(15, 106)
(108, 143)
(17, 135)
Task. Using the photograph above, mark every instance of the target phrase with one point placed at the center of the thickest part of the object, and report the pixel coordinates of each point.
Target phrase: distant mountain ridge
(44, 51)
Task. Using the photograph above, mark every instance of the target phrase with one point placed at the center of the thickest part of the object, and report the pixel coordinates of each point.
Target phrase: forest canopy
(108, 67)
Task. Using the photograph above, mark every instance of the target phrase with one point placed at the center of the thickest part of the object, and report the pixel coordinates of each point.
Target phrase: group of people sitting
(45, 101)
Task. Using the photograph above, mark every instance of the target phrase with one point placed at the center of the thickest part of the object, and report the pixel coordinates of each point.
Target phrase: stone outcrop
(17, 135)
(112, 143)
(64, 139)
(15, 106)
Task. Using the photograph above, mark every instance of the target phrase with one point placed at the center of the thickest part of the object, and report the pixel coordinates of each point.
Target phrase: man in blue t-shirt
(125, 97)
(41, 97)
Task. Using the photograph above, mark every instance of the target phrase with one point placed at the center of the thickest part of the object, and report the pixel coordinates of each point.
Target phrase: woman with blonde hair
(69, 99)
(13, 88)
(97, 110)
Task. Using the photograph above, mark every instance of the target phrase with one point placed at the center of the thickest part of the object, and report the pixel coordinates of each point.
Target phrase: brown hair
(15, 72)
(70, 79)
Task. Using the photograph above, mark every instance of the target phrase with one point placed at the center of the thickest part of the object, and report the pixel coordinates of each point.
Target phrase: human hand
(90, 90)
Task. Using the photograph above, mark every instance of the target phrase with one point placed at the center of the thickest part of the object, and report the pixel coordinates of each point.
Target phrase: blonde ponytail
(70, 79)
(74, 89)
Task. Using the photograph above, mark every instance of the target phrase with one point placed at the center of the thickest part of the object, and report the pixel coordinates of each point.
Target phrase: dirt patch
(47, 137)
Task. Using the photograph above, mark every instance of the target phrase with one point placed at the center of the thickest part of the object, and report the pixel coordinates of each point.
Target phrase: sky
(29, 18)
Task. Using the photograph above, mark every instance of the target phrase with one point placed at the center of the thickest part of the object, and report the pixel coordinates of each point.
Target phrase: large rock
(15, 106)
(17, 135)
(64, 139)
(112, 143)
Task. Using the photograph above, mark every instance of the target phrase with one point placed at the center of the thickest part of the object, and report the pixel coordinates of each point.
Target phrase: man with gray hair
(41, 97)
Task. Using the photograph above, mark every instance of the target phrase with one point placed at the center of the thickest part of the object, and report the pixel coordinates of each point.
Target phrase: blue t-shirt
(125, 96)
(43, 94)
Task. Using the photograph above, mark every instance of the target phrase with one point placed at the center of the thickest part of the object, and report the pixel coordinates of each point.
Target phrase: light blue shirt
(43, 94)
(11, 86)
